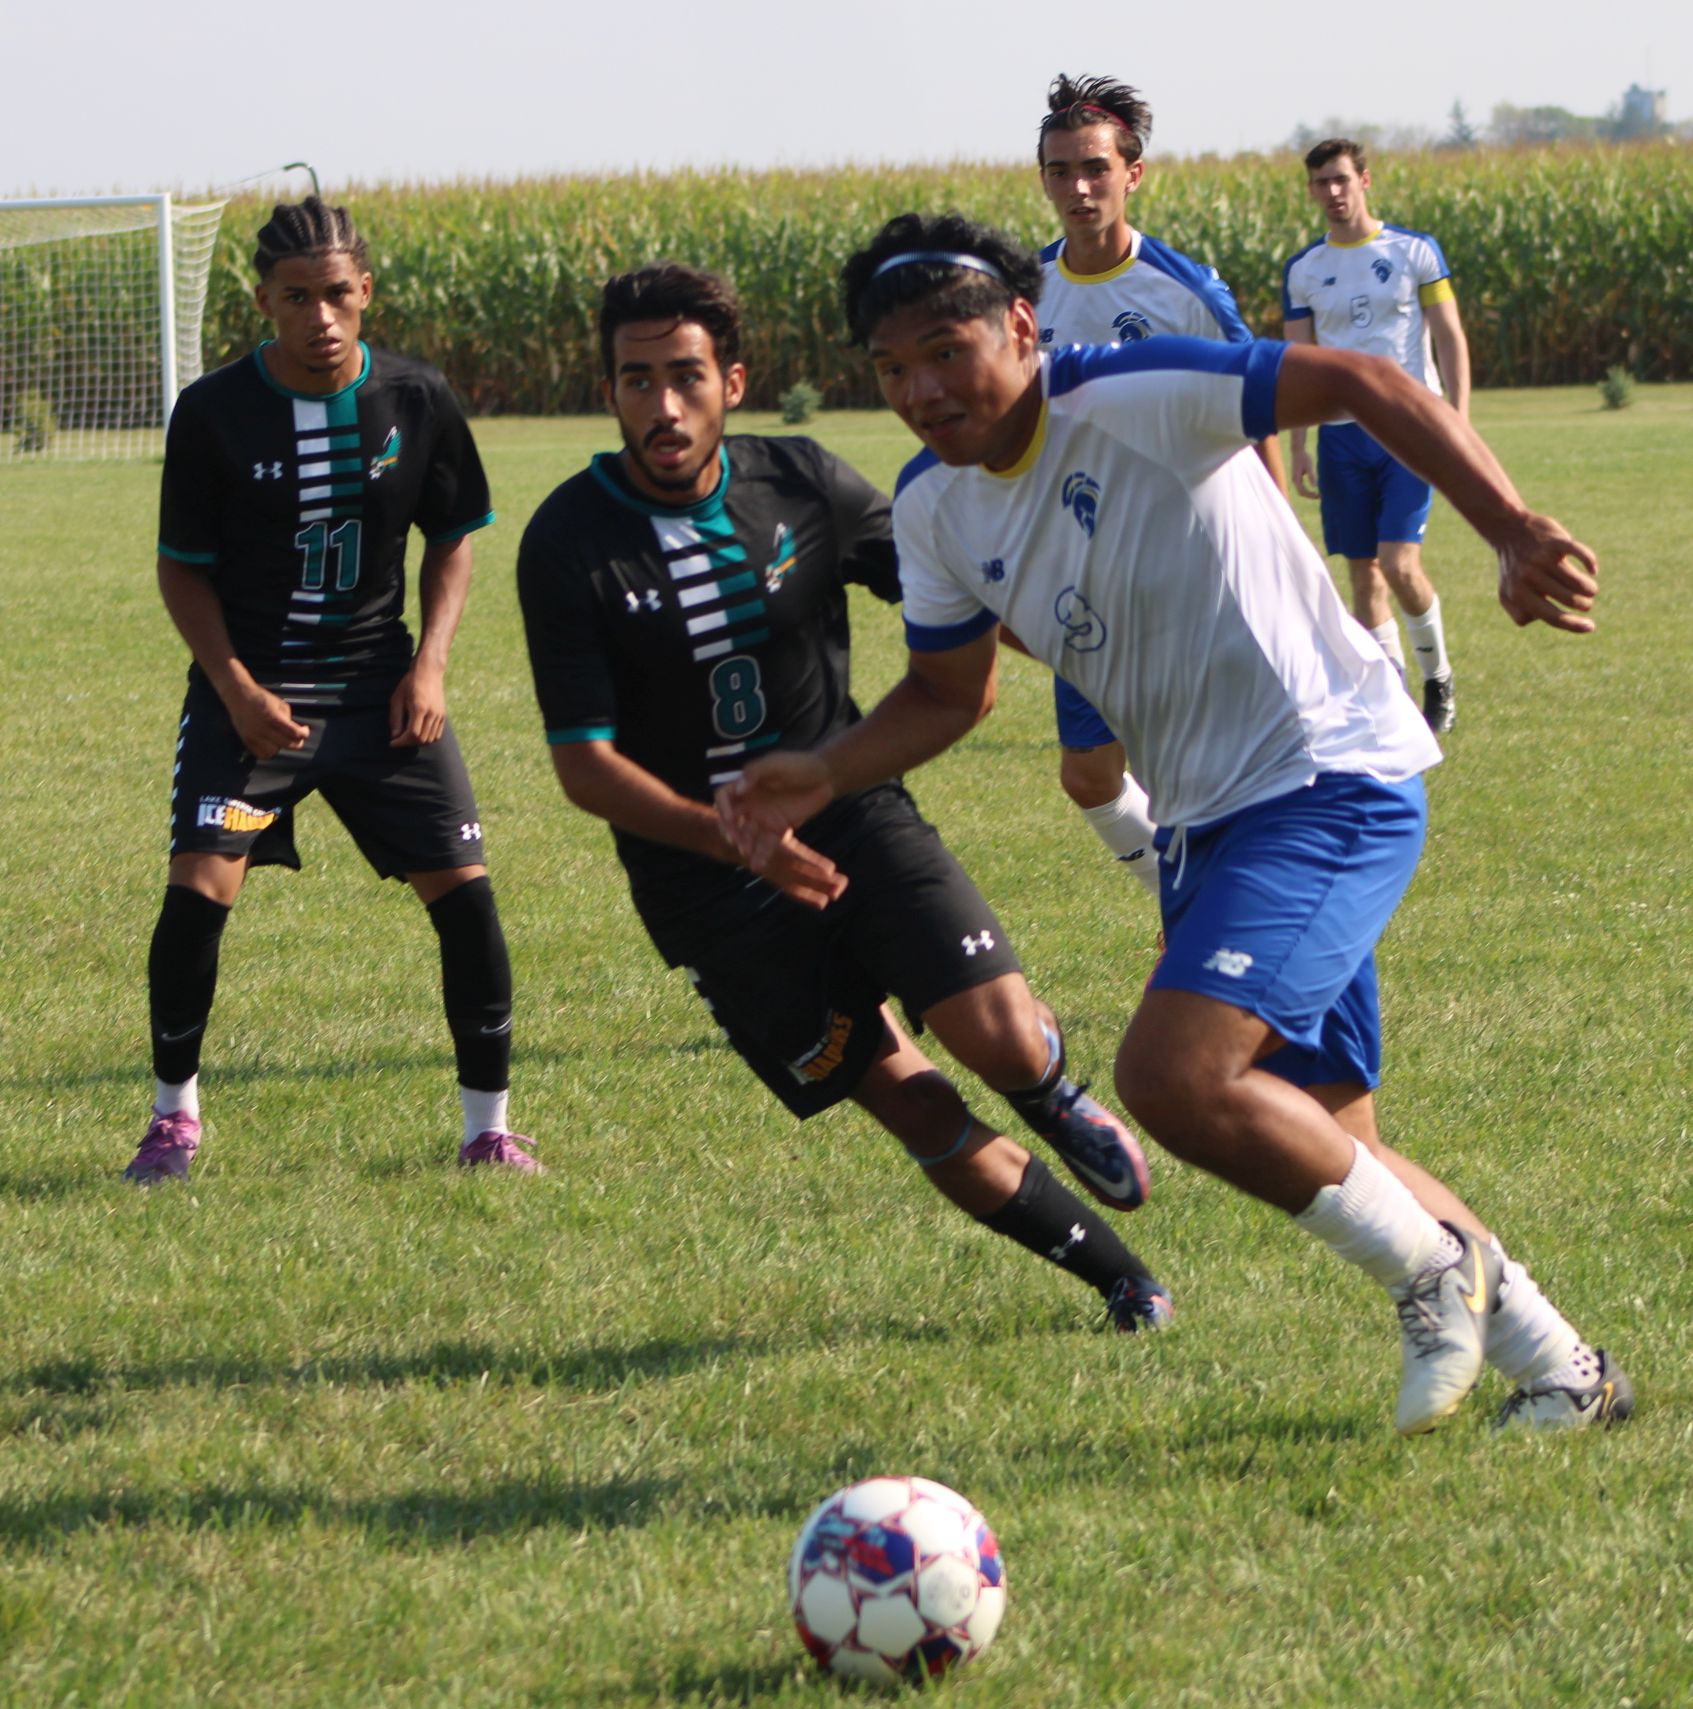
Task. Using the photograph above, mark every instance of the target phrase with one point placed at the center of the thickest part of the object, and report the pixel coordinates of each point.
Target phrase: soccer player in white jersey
(1387, 291)
(1103, 504)
(1108, 283)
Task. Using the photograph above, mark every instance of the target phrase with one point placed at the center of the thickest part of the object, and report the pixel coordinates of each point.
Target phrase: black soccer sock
(1050, 1220)
(475, 983)
(182, 977)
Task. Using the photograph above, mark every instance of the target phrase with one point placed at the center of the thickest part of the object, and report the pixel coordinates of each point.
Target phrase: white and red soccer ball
(894, 1579)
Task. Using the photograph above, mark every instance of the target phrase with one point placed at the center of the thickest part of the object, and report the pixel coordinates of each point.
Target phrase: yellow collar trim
(1359, 242)
(1031, 453)
(1066, 271)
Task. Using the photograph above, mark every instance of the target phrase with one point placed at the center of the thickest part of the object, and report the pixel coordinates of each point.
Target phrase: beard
(682, 478)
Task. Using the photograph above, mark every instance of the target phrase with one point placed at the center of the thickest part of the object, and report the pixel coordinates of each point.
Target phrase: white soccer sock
(178, 1100)
(484, 1112)
(1428, 639)
(1527, 1337)
(1125, 828)
(1387, 637)
(1370, 1219)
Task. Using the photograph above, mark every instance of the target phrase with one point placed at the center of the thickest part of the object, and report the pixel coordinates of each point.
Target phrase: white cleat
(1443, 1334)
(1607, 1400)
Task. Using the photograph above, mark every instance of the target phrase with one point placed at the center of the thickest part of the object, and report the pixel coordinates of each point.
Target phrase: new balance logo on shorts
(230, 815)
(1233, 962)
(977, 945)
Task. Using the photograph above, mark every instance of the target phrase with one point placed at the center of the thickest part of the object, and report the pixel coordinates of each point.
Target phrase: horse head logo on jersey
(1382, 268)
(1132, 326)
(1081, 499)
(1084, 629)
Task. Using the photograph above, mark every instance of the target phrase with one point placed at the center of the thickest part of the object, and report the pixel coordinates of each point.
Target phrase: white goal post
(101, 304)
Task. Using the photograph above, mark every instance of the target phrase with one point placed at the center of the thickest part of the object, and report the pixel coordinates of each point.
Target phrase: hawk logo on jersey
(267, 471)
(388, 456)
(1132, 326)
(1382, 268)
(782, 559)
(1081, 499)
(1084, 632)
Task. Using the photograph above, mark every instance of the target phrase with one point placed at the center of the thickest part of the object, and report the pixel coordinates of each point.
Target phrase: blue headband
(948, 257)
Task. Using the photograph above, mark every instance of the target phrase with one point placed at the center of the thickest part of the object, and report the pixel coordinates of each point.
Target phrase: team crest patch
(827, 1054)
(1081, 499)
(1084, 628)
(1132, 326)
(1382, 268)
(228, 814)
(782, 559)
(388, 456)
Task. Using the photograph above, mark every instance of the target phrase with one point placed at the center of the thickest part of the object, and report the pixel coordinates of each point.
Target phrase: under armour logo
(471, 833)
(1233, 962)
(1065, 1247)
(267, 471)
(649, 599)
(975, 945)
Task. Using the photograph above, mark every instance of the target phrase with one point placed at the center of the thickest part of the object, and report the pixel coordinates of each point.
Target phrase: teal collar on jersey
(604, 469)
(312, 397)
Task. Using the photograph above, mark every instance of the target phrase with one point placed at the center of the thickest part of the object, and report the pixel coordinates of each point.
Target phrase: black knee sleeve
(475, 983)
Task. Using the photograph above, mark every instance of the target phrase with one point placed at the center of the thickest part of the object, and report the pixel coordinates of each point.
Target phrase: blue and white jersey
(1153, 289)
(1140, 550)
(1370, 296)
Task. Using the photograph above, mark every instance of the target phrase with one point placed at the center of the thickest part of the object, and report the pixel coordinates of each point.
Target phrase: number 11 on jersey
(316, 541)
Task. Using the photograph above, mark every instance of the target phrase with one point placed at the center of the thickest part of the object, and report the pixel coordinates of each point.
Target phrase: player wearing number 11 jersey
(292, 479)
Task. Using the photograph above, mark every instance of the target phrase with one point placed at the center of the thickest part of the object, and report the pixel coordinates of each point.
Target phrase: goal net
(101, 303)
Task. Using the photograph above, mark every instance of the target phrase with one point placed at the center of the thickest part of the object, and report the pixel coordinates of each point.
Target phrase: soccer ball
(894, 1579)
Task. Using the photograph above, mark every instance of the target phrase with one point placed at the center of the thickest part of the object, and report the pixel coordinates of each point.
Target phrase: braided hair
(308, 228)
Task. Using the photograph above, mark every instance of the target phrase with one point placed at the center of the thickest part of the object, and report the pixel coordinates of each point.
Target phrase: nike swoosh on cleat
(494, 1032)
(1476, 1297)
(177, 1038)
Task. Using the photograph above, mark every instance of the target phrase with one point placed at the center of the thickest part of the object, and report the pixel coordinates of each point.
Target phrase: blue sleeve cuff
(1258, 394)
(181, 557)
(581, 733)
(1289, 312)
(920, 638)
(459, 533)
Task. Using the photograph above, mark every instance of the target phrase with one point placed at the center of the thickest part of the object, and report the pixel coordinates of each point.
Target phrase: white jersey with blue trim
(1370, 296)
(1140, 550)
(1153, 289)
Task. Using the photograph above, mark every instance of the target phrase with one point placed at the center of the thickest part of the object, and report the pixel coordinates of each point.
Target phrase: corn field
(1567, 261)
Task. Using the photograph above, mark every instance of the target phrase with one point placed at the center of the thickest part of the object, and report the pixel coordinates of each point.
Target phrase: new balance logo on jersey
(471, 833)
(1382, 268)
(1132, 326)
(1233, 962)
(1081, 499)
(1046, 335)
(977, 945)
(267, 471)
(230, 815)
(388, 456)
(993, 570)
(1084, 631)
(635, 601)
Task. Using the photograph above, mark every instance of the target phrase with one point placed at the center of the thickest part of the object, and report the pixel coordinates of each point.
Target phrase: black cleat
(1136, 1304)
(1440, 704)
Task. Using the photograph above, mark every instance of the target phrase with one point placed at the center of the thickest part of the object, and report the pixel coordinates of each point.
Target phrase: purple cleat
(167, 1149)
(499, 1147)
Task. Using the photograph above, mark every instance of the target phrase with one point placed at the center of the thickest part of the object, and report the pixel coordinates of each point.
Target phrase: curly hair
(669, 291)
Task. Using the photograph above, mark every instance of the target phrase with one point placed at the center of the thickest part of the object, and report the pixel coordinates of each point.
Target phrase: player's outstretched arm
(1545, 575)
(942, 697)
(265, 722)
(599, 780)
(417, 709)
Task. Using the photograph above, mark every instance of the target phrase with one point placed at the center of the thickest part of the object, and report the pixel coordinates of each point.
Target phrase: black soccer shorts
(799, 992)
(408, 809)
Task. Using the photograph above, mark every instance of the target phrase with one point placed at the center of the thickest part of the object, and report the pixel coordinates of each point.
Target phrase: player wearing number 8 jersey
(292, 479)
(686, 608)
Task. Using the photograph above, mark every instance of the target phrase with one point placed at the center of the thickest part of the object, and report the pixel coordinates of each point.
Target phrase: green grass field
(339, 1424)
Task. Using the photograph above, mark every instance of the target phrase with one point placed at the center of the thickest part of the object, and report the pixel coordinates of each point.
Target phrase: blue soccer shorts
(1367, 495)
(1277, 908)
(1079, 722)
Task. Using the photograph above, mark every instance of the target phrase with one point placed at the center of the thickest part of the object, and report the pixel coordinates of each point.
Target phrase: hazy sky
(113, 95)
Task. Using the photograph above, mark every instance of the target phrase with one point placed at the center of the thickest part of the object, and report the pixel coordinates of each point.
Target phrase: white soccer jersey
(1370, 296)
(1140, 550)
(1153, 289)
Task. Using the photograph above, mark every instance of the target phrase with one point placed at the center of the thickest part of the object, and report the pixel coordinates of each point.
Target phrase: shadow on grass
(444, 1364)
(413, 1518)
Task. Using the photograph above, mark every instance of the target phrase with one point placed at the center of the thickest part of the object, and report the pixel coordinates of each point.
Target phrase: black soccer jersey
(694, 638)
(297, 505)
